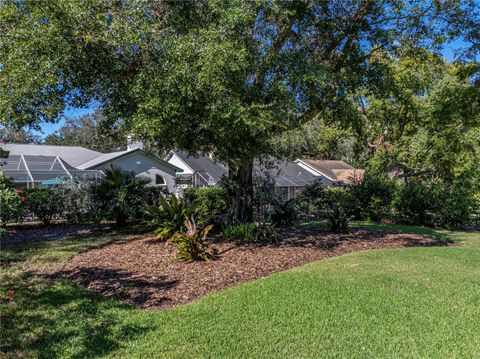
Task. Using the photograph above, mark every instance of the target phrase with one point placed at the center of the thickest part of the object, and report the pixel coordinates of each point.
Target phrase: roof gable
(329, 168)
(202, 164)
(108, 157)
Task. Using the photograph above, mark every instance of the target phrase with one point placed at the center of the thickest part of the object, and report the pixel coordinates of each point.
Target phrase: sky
(48, 128)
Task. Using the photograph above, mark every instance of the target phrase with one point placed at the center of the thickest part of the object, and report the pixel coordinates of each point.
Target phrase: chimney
(132, 144)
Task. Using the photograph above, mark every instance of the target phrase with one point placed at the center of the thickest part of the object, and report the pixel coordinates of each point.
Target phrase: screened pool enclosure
(44, 171)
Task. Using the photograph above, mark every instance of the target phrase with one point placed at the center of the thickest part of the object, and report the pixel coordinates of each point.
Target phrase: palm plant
(169, 217)
(337, 220)
(120, 195)
(284, 214)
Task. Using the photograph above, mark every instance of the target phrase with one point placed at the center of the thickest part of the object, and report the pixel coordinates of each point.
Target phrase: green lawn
(395, 303)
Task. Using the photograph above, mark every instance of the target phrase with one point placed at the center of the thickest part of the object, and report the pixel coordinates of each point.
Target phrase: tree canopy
(88, 131)
(211, 76)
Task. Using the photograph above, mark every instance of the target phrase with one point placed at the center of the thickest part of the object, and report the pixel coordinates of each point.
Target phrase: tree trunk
(241, 192)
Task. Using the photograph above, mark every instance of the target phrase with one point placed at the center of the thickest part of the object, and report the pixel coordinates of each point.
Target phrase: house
(37, 166)
(338, 172)
(197, 171)
(204, 171)
(290, 178)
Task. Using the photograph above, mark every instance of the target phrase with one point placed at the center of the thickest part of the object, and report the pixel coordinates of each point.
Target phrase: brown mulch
(143, 272)
(32, 232)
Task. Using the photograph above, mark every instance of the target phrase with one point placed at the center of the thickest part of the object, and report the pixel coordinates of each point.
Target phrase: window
(159, 180)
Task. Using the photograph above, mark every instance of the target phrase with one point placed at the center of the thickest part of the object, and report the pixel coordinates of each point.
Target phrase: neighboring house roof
(76, 156)
(203, 165)
(290, 174)
(349, 176)
(286, 173)
(332, 169)
(73, 155)
(108, 157)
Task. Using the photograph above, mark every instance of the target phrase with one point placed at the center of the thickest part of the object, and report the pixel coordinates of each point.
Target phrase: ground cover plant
(392, 303)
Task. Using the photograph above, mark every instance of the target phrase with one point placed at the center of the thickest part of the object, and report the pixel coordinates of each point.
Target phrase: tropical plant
(284, 214)
(45, 204)
(192, 242)
(168, 218)
(312, 198)
(337, 220)
(120, 196)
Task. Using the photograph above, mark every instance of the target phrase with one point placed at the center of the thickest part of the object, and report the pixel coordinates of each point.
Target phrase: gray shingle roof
(203, 165)
(101, 159)
(73, 155)
(286, 173)
(289, 174)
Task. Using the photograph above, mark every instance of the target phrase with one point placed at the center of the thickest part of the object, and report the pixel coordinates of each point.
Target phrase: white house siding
(176, 161)
(144, 166)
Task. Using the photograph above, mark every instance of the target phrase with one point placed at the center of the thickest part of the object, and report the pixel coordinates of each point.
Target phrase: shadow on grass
(61, 319)
(118, 284)
(391, 228)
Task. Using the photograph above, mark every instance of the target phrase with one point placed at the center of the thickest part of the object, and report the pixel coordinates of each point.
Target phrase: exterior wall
(176, 161)
(144, 166)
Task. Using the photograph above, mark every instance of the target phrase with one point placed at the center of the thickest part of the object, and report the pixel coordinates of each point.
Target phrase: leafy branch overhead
(203, 75)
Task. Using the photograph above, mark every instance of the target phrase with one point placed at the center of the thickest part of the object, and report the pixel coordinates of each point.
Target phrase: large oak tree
(209, 76)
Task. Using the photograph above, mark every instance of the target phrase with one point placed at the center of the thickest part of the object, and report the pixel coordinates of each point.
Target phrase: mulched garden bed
(143, 272)
(32, 232)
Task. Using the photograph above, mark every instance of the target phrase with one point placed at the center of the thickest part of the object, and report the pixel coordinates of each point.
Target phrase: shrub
(433, 204)
(414, 204)
(4, 233)
(370, 198)
(284, 214)
(192, 242)
(249, 232)
(5, 181)
(120, 196)
(45, 204)
(208, 201)
(456, 208)
(79, 204)
(169, 217)
(152, 194)
(11, 208)
(337, 220)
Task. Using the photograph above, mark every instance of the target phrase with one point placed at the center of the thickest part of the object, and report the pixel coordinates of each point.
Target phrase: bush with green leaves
(79, 204)
(45, 204)
(284, 214)
(120, 196)
(209, 201)
(337, 220)
(433, 204)
(169, 217)
(11, 206)
(192, 242)
(249, 232)
(370, 198)
(456, 209)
